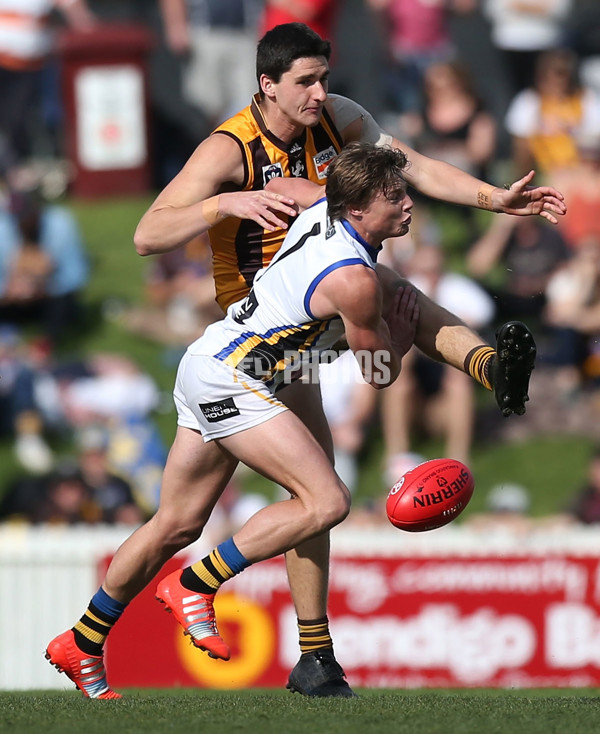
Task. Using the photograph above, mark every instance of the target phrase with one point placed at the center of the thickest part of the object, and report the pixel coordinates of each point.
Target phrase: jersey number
(248, 307)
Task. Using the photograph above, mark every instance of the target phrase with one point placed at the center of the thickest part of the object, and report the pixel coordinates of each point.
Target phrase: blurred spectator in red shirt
(581, 188)
(320, 15)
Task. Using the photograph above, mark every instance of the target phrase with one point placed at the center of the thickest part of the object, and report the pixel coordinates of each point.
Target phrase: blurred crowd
(495, 87)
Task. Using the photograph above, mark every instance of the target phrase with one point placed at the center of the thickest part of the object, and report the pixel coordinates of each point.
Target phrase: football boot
(195, 613)
(511, 367)
(318, 674)
(86, 671)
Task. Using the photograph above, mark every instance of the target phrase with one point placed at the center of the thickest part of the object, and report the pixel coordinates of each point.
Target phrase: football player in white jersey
(321, 285)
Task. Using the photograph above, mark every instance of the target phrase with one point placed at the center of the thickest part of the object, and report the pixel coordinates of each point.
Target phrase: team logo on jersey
(297, 168)
(215, 412)
(296, 164)
(322, 161)
(273, 170)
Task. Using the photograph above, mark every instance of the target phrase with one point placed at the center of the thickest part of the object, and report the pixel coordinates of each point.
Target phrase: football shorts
(218, 400)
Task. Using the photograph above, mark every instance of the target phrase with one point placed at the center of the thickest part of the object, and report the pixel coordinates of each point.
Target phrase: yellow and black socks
(478, 363)
(221, 564)
(314, 635)
(100, 617)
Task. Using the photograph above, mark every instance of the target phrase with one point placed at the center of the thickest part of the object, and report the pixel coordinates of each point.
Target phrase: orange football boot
(86, 671)
(195, 613)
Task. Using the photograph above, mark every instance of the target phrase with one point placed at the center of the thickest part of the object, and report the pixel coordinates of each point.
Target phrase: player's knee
(336, 508)
(177, 533)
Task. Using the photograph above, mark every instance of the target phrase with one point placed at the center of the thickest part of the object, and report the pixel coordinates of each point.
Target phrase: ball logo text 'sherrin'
(430, 495)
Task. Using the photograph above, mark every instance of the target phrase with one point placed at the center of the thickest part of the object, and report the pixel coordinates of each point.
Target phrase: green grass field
(279, 712)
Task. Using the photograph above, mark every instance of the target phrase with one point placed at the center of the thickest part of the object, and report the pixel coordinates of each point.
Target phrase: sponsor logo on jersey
(215, 412)
(273, 170)
(322, 161)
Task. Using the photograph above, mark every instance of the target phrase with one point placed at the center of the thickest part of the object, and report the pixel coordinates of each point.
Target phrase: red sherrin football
(430, 495)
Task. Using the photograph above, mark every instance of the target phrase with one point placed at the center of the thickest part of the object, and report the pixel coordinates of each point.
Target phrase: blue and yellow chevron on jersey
(267, 334)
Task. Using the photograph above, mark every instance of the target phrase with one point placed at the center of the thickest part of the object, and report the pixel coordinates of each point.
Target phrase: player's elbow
(142, 242)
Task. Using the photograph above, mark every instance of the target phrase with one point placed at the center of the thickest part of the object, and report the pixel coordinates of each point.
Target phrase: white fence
(47, 576)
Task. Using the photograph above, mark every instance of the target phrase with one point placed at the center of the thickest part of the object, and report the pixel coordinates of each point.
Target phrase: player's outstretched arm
(443, 181)
(196, 199)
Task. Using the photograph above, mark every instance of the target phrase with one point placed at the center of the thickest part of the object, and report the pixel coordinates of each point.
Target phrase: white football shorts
(218, 400)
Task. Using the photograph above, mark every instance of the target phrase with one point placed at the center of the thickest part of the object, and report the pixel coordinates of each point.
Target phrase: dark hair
(282, 45)
(562, 60)
(359, 173)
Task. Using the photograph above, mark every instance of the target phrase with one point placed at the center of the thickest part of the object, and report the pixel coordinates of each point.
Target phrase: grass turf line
(180, 711)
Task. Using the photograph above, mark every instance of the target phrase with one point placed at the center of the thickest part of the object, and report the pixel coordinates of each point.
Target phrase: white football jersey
(269, 331)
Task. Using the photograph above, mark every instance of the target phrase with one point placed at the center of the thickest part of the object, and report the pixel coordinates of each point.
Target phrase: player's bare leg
(317, 673)
(444, 337)
(194, 478)
(398, 405)
(452, 414)
(292, 457)
(195, 475)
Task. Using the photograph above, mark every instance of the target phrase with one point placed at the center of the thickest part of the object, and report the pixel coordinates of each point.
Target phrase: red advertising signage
(396, 622)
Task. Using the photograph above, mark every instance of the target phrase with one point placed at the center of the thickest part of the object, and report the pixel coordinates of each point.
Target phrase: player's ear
(267, 85)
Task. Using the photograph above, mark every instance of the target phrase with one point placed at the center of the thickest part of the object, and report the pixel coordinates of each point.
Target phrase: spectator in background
(217, 40)
(320, 15)
(453, 125)
(29, 269)
(522, 29)
(349, 404)
(524, 254)
(20, 415)
(416, 35)
(546, 119)
(429, 395)
(585, 505)
(111, 493)
(106, 387)
(581, 187)
(43, 264)
(81, 490)
(26, 44)
(573, 309)
(180, 296)
(65, 499)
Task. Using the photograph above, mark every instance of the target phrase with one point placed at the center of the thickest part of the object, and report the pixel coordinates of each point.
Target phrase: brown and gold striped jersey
(242, 247)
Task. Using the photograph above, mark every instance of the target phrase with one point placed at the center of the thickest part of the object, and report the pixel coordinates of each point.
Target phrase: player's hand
(522, 199)
(402, 319)
(262, 207)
